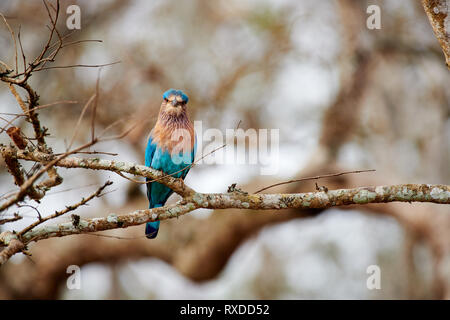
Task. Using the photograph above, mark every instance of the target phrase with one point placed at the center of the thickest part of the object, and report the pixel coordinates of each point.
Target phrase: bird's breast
(174, 139)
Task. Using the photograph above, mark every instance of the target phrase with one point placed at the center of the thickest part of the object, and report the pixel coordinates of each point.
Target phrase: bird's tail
(151, 228)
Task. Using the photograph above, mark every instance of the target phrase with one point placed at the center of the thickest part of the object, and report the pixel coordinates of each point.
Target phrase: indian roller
(171, 148)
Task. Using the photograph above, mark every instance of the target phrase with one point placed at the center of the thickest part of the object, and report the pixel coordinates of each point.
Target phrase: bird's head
(174, 102)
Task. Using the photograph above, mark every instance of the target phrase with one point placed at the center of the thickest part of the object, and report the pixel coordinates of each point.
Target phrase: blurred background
(343, 97)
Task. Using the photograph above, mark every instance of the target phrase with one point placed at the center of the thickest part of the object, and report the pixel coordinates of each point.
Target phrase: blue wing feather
(158, 193)
(149, 153)
(151, 228)
(193, 152)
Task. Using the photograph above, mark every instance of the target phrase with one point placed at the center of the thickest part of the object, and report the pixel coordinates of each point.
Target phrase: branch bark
(193, 200)
(13, 246)
(238, 200)
(176, 185)
(438, 12)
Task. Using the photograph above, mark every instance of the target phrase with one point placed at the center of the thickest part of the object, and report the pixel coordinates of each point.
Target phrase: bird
(170, 148)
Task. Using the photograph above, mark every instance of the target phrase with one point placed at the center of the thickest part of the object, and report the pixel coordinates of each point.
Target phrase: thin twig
(24, 59)
(94, 108)
(77, 126)
(8, 220)
(114, 237)
(94, 152)
(12, 36)
(67, 209)
(314, 178)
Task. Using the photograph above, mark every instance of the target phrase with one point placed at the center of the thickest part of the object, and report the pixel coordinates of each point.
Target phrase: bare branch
(16, 136)
(176, 185)
(238, 200)
(79, 66)
(77, 126)
(67, 209)
(438, 12)
(8, 220)
(13, 38)
(14, 246)
(28, 184)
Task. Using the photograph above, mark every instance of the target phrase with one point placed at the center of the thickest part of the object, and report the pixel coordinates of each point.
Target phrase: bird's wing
(193, 152)
(149, 152)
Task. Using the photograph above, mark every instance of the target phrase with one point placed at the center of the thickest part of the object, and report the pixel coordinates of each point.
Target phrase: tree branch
(438, 12)
(13, 246)
(175, 184)
(67, 209)
(240, 200)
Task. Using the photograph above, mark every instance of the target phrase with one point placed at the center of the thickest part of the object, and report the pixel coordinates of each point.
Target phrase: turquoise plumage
(171, 148)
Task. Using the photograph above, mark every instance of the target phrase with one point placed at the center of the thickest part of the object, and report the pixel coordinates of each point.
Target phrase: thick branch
(438, 12)
(13, 246)
(310, 200)
(193, 200)
(176, 185)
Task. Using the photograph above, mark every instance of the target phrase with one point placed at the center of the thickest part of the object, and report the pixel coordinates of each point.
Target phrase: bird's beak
(174, 102)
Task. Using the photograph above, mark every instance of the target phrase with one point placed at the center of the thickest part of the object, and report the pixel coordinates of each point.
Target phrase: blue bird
(171, 148)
